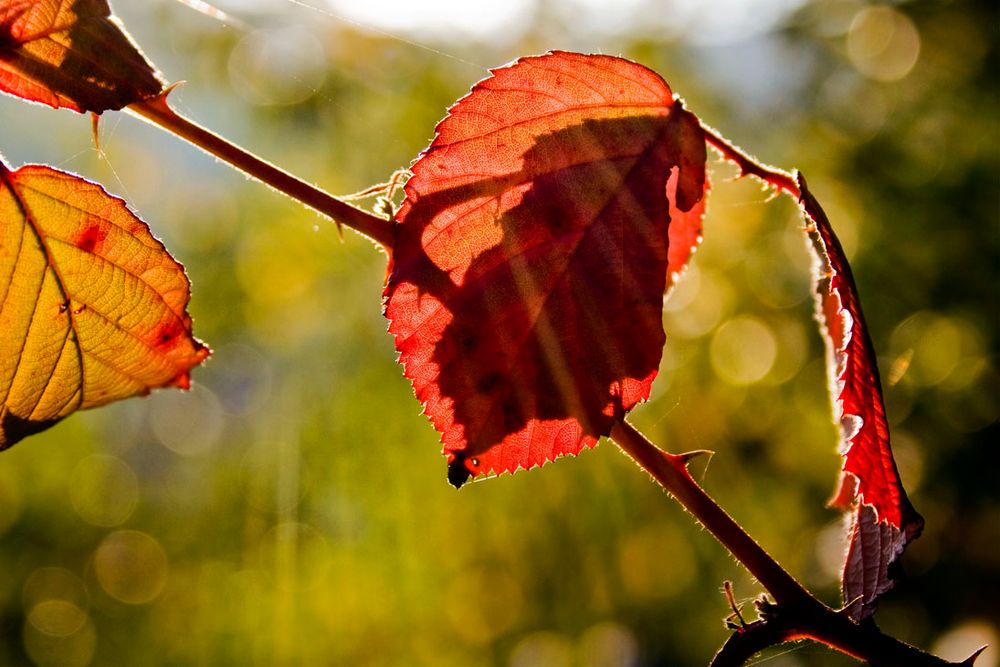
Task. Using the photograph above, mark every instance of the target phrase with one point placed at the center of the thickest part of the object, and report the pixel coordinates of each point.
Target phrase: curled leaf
(531, 256)
(92, 307)
(884, 521)
(71, 54)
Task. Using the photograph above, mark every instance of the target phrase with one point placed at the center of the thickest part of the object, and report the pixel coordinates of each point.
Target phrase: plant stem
(778, 178)
(158, 112)
(796, 613)
(671, 471)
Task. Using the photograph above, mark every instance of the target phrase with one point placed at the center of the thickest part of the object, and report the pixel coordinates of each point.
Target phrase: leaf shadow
(556, 329)
(102, 69)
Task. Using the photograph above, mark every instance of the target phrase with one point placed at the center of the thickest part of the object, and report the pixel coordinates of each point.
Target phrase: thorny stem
(778, 178)
(796, 613)
(157, 111)
(671, 471)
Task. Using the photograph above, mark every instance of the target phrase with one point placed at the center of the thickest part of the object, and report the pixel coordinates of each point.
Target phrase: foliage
(94, 308)
(542, 207)
(399, 453)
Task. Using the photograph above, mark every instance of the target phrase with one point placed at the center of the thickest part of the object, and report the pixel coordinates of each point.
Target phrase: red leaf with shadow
(532, 254)
(884, 521)
(71, 54)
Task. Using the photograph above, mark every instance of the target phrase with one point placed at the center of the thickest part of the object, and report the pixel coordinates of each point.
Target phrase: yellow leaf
(92, 306)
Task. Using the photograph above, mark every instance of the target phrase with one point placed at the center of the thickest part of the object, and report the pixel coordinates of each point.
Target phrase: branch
(157, 111)
(796, 613)
(671, 471)
(751, 639)
(779, 178)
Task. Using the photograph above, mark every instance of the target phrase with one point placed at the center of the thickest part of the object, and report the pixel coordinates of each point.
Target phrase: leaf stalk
(749, 166)
(157, 110)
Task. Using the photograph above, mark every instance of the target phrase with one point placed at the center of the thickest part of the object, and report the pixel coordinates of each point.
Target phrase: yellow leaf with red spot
(93, 308)
(71, 54)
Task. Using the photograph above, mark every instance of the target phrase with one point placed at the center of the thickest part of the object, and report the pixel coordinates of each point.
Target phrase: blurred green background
(292, 508)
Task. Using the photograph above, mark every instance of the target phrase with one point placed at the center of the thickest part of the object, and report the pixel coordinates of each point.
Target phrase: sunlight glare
(443, 18)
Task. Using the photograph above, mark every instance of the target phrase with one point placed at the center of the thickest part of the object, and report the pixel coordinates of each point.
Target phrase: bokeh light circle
(104, 490)
(883, 43)
(131, 567)
(743, 350)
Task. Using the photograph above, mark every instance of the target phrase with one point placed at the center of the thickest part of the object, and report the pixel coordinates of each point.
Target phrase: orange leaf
(92, 307)
(531, 256)
(71, 54)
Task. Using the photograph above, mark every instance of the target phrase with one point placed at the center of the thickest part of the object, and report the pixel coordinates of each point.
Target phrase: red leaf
(885, 521)
(531, 256)
(71, 54)
(684, 232)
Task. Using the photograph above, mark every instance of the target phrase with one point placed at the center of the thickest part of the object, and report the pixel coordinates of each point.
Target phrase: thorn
(774, 192)
(95, 127)
(169, 89)
(687, 457)
(727, 587)
(160, 102)
(695, 453)
(971, 660)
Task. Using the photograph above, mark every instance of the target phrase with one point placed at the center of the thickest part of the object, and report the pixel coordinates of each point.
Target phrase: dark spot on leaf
(166, 333)
(467, 341)
(489, 383)
(91, 238)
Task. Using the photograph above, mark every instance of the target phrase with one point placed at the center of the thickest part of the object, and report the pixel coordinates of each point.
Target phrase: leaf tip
(13, 429)
(458, 472)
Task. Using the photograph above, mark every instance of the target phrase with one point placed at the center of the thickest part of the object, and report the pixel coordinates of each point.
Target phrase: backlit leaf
(71, 54)
(684, 229)
(531, 256)
(92, 307)
(884, 520)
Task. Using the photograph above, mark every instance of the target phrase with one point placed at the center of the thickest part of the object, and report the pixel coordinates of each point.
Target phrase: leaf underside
(92, 307)
(71, 54)
(532, 254)
(883, 520)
